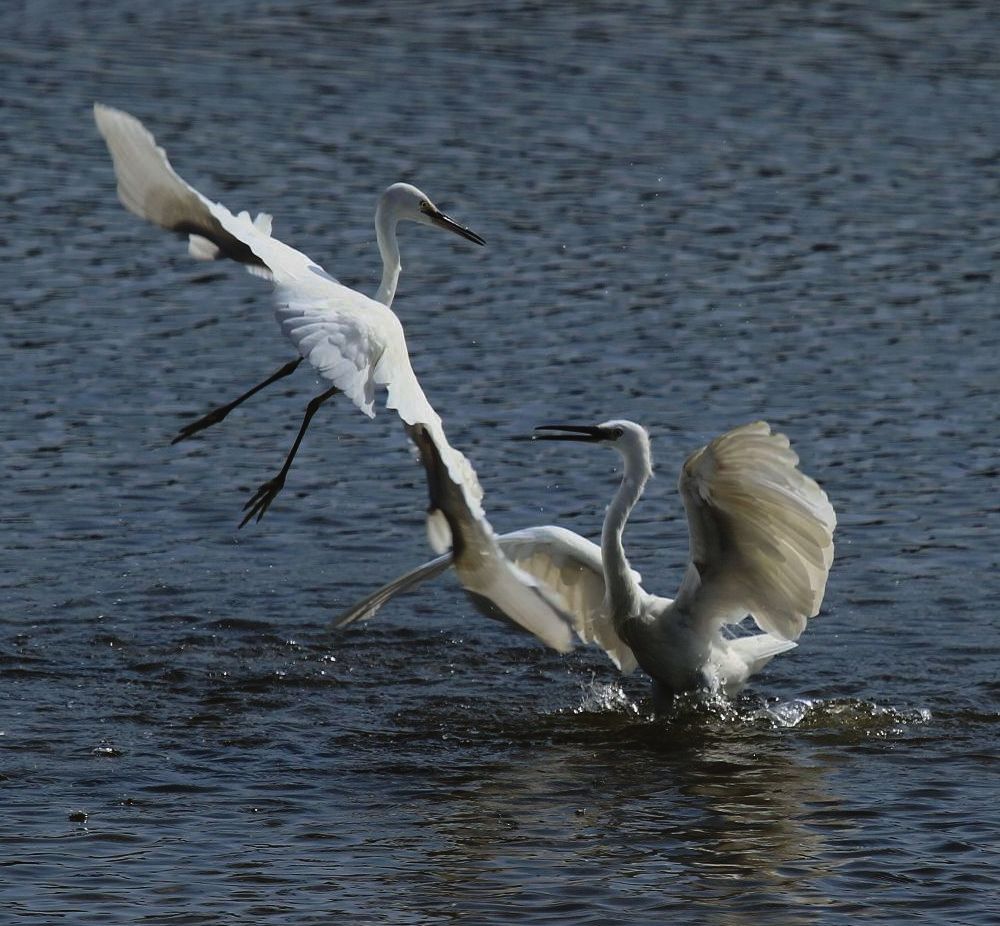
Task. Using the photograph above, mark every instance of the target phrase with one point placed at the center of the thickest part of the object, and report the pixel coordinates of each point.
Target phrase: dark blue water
(697, 215)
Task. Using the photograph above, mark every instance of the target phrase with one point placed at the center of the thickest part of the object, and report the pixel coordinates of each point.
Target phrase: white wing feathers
(546, 580)
(761, 533)
(569, 568)
(354, 342)
(369, 606)
(344, 346)
(149, 187)
(147, 184)
(556, 564)
(357, 344)
(498, 587)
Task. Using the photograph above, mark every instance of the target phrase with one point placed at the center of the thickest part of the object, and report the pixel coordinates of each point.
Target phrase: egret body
(354, 342)
(760, 539)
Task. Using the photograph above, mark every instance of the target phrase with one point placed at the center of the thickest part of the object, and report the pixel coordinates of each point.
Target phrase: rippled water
(697, 215)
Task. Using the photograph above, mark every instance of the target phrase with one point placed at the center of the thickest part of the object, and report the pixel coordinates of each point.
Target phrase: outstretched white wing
(564, 565)
(569, 568)
(546, 580)
(497, 586)
(354, 342)
(370, 605)
(150, 188)
(761, 533)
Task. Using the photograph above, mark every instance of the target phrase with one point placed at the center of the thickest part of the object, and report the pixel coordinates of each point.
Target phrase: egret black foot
(261, 500)
(206, 421)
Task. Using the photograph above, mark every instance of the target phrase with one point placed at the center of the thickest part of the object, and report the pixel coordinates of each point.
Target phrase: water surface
(697, 215)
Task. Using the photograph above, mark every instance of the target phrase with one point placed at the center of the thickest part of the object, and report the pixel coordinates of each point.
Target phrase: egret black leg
(216, 415)
(261, 500)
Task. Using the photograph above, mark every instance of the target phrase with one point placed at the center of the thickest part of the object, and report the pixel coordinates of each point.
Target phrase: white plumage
(495, 582)
(760, 531)
(354, 342)
(761, 543)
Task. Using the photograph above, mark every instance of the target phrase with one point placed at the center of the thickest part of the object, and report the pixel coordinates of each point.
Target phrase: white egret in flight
(352, 341)
(761, 543)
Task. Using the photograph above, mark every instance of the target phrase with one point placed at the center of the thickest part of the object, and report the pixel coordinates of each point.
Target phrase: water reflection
(752, 845)
(658, 816)
(698, 219)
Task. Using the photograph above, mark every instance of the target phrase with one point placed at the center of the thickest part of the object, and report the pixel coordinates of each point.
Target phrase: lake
(696, 215)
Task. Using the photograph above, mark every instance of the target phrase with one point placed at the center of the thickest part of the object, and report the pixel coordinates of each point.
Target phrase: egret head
(404, 202)
(631, 440)
(618, 432)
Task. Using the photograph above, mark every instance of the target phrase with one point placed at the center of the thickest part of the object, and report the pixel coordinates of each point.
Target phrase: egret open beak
(588, 434)
(446, 222)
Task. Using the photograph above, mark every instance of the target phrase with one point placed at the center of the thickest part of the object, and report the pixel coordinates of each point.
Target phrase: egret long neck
(623, 592)
(385, 233)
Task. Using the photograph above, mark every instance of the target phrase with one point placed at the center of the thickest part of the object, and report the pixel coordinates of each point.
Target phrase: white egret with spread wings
(761, 544)
(354, 342)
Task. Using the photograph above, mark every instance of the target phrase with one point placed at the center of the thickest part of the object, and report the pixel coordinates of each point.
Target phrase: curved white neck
(623, 592)
(385, 234)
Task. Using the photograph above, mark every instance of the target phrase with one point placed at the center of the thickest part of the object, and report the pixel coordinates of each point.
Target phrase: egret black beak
(588, 434)
(448, 223)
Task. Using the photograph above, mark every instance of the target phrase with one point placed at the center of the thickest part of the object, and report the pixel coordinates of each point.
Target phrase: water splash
(749, 711)
(606, 697)
(843, 714)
